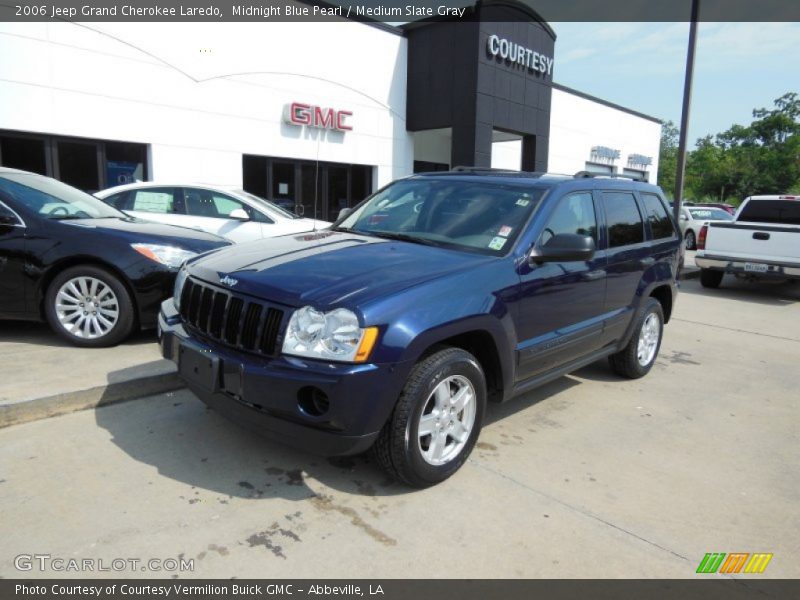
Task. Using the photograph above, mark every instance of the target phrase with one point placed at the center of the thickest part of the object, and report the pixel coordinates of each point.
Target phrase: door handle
(760, 235)
(594, 275)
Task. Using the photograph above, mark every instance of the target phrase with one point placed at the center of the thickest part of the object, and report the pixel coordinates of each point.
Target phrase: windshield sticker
(523, 202)
(497, 243)
(505, 231)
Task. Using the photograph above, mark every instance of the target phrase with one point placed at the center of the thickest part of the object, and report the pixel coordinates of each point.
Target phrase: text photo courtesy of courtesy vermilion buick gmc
(391, 330)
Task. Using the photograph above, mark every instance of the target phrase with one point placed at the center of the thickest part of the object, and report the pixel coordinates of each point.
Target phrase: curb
(104, 395)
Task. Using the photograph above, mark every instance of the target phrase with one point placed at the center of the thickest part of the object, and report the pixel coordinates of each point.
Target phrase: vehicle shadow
(185, 441)
(40, 334)
(498, 411)
(767, 293)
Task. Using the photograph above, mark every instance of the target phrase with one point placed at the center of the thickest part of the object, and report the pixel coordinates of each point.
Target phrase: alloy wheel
(87, 307)
(446, 421)
(648, 339)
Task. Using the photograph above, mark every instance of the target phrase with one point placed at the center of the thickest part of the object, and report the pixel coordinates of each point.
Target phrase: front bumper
(263, 394)
(755, 268)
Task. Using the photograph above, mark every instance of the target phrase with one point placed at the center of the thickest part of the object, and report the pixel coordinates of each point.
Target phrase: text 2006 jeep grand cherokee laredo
(441, 291)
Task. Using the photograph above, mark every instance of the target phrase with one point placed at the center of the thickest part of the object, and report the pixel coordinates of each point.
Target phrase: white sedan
(693, 218)
(233, 214)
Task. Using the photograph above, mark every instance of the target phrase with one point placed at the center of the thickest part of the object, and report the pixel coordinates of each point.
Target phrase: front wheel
(436, 421)
(89, 307)
(638, 357)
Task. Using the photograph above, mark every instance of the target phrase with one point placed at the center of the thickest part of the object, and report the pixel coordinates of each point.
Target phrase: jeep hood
(327, 268)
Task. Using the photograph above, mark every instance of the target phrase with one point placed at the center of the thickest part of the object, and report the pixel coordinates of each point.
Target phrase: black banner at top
(393, 11)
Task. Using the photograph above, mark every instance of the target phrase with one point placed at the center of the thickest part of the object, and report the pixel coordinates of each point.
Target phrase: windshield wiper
(66, 217)
(402, 237)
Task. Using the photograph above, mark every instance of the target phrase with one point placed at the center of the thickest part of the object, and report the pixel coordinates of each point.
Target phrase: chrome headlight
(177, 290)
(334, 335)
(171, 256)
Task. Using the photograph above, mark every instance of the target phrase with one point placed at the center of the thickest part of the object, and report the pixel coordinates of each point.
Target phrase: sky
(739, 67)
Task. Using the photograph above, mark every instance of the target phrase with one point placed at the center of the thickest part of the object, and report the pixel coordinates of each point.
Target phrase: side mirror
(564, 247)
(239, 214)
(344, 212)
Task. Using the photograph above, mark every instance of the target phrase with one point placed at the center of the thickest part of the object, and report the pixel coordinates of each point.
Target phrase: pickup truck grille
(233, 320)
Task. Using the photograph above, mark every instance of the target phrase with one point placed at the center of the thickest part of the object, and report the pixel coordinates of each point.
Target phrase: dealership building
(318, 113)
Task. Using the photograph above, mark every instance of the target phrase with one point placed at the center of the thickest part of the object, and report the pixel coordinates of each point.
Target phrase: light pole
(687, 100)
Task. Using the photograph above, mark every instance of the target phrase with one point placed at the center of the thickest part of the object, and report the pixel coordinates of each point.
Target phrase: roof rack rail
(590, 175)
(467, 169)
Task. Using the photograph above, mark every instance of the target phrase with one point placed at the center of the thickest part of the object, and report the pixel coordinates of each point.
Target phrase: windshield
(710, 214)
(477, 216)
(268, 205)
(52, 199)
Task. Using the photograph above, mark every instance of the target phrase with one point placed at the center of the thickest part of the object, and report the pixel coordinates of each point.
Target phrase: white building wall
(203, 94)
(578, 124)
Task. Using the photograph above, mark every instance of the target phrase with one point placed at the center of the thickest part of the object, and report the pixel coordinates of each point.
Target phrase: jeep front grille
(233, 320)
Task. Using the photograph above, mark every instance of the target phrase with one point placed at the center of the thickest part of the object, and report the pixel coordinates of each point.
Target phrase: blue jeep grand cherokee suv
(393, 328)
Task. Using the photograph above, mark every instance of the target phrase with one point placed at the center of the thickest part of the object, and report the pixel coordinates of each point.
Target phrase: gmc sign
(301, 114)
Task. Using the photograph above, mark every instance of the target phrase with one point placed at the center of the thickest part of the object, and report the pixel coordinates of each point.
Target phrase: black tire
(120, 330)
(710, 279)
(398, 448)
(691, 240)
(626, 362)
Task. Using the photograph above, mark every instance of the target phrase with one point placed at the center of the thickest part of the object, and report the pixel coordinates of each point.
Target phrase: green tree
(668, 158)
(760, 158)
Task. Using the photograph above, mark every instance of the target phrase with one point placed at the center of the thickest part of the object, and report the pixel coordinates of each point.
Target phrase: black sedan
(93, 273)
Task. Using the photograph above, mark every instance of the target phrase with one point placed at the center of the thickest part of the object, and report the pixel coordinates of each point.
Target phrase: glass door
(78, 164)
(337, 188)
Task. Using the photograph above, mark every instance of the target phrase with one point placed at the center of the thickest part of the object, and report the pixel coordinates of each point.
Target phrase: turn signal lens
(366, 345)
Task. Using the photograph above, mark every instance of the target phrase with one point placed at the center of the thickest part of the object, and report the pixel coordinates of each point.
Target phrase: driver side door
(12, 263)
(561, 303)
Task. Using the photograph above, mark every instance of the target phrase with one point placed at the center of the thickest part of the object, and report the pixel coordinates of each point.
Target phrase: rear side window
(574, 214)
(154, 200)
(660, 221)
(625, 226)
(786, 212)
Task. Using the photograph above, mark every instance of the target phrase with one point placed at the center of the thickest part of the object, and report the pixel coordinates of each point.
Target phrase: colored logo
(735, 562)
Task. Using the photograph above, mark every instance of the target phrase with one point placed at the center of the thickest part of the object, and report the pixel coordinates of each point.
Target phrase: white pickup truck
(762, 242)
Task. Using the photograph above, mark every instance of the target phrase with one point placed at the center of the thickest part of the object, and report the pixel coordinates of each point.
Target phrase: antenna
(316, 181)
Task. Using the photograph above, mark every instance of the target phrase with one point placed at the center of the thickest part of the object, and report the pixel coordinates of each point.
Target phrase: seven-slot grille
(245, 324)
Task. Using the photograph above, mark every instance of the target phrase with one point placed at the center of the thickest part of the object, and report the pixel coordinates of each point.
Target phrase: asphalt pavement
(589, 476)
